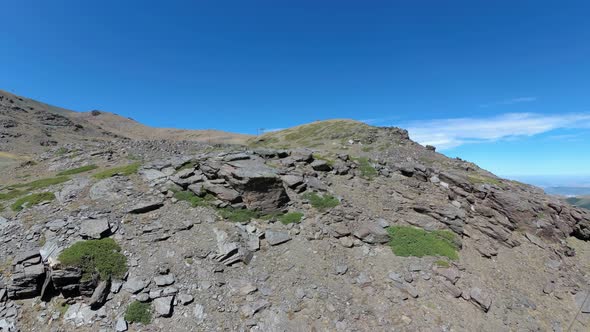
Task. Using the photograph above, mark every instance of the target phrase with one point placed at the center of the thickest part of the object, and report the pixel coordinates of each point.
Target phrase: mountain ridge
(333, 225)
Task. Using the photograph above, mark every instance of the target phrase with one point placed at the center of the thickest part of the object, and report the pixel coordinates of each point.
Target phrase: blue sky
(505, 84)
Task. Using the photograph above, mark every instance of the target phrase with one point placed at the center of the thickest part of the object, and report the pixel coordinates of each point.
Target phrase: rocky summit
(330, 226)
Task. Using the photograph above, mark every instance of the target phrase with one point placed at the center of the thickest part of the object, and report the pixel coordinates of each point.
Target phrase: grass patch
(42, 183)
(6, 267)
(367, 170)
(193, 199)
(21, 189)
(291, 217)
(61, 151)
(11, 194)
(120, 170)
(480, 179)
(409, 241)
(324, 158)
(321, 202)
(187, 165)
(32, 199)
(238, 215)
(62, 306)
(78, 170)
(96, 256)
(442, 263)
(138, 312)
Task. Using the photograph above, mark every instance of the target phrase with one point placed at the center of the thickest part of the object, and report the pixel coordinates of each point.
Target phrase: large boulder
(27, 276)
(260, 185)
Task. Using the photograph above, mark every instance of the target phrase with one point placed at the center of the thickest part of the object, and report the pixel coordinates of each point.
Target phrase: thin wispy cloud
(450, 133)
(375, 121)
(264, 131)
(510, 101)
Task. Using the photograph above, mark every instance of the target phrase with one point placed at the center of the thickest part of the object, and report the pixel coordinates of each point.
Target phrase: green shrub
(193, 199)
(238, 215)
(138, 312)
(96, 256)
(120, 170)
(78, 170)
(31, 200)
(291, 217)
(61, 151)
(321, 202)
(410, 241)
(367, 170)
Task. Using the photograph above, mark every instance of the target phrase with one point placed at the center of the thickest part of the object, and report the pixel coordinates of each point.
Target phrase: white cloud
(511, 101)
(450, 133)
(271, 130)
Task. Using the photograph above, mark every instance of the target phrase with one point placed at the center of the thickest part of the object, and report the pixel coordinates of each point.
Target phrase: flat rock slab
(275, 237)
(95, 228)
(163, 306)
(584, 306)
(146, 206)
(371, 233)
(165, 280)
(482, 299)
(135, 285)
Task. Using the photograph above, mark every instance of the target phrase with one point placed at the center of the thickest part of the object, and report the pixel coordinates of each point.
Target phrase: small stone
(143, 297)
(452, 289)
(341, 269)
(185, 299)
(95, 228)
(121, 325)
(480, 298)
(116, 286)
(346, 242)
(275, 237)
(134, 285)
(163, 306)
(451, 274)
(164, 280)
(199, 312)
(549, 288)
(248, 289)
(251, 309)
(583, 301)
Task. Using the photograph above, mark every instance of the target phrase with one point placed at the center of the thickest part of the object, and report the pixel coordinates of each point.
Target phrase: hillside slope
(331, 226)
(28, 126)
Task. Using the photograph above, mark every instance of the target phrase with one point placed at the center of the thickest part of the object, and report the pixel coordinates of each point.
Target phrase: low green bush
(11, 194)
(442, 263)
(367, 170)
(96, 256)
(410, 241)
(321, 202)
(42, 183)
(120, 170)
(193, 199)
(32, 199)
(238, 215)
(291, 217)
(139, 312)
(78, 170)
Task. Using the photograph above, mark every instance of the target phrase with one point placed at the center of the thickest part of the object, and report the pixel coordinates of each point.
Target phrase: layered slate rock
(260, 186)
(27, 276)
